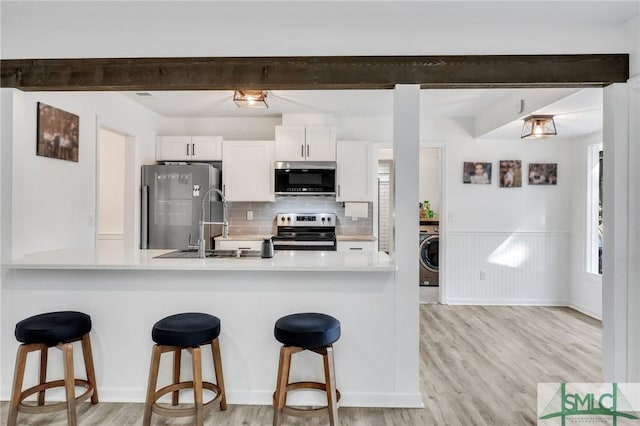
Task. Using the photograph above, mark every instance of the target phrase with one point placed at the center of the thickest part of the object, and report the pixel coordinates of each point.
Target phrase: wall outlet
(249, 214)
(483, 275)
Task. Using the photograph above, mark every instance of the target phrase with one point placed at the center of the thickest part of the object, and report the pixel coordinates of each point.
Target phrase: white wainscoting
(520, 268)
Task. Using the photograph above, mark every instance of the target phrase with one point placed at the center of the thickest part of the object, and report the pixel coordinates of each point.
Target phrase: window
(594, 209)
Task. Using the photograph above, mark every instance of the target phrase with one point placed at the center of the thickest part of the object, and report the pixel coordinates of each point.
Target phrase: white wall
(54, 201)
(519, 237)
(111, 184)
(157, 29)
(430, 182)
(230, 128)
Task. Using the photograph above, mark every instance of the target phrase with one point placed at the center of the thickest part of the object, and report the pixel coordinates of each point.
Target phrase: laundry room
(429, 211)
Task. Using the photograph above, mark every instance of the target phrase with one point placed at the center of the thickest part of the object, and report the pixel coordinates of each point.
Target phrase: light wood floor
(479, 366)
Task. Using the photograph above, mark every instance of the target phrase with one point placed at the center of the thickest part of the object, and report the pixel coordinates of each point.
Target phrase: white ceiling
(577, 114)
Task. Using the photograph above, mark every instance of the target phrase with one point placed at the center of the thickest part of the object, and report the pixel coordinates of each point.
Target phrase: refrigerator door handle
(144, 226)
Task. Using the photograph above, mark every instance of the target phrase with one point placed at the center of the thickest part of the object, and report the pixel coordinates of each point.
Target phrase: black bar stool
(300, 332)
(174, 333)
(39, 333)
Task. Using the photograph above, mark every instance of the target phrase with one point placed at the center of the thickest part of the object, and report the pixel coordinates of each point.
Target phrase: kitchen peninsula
(125, 292)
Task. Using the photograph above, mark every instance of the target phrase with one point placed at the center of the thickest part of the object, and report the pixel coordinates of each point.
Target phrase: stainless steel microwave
(305, 178)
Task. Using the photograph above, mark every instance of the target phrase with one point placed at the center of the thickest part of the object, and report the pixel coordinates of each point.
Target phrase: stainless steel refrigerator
(171, 199)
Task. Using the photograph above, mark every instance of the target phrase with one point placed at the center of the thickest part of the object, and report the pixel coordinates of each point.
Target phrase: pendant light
(250, 98)
(538, 127)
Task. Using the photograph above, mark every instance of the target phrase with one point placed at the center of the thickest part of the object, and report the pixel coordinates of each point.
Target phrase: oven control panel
(306, 219)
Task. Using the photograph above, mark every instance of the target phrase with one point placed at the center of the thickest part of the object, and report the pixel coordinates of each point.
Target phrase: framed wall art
(58, 133)
(510, 174)
(476, 173)
(543, 173)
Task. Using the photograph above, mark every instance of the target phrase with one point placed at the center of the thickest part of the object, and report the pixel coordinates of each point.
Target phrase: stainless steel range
(305, 231)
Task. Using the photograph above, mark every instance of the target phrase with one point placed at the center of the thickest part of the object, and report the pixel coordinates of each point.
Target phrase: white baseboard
(111, 236)
(349, 399)
(504, 302)
(587, 311)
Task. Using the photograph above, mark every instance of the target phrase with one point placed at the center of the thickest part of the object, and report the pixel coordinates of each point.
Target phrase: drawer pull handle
(356, 248)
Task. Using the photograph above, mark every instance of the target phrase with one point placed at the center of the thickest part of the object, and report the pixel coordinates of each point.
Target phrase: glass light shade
(250, 98)
(538, 127)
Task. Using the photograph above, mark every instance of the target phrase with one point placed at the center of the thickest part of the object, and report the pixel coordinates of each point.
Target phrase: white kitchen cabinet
(189, 148)
(305, 143)
(244, 245)
(355, 171)
(344, 246)
(247, 170)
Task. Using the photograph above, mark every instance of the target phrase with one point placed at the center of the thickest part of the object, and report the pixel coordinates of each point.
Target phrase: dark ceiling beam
(317, 72)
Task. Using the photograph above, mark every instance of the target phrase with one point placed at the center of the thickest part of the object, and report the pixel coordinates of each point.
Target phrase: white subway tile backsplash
(264, 215)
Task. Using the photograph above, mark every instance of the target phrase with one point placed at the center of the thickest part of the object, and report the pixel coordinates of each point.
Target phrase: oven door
(305, 178)
(304, 243)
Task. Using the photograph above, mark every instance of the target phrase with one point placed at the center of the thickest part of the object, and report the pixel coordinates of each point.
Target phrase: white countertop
(114, 257)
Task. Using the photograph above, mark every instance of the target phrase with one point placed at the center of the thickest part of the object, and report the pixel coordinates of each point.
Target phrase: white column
(615, 250)
(6, 171)
(406, 149)
(633, 351)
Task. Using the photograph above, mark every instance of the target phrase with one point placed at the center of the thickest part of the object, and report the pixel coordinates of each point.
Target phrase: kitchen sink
(193, 254)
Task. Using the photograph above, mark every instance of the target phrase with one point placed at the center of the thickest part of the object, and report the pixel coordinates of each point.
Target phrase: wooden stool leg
(69, 382)
(44, 352)
(177, 357)
(18, 378)
(217, 367)
(89, 366)
(197, 384)
(330, 380)
(282, 381)
(153, 381)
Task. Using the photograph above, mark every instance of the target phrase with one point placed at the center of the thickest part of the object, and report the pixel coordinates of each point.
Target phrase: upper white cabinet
(305, 143)
(247, 170)
(354, 174)
(189, 148)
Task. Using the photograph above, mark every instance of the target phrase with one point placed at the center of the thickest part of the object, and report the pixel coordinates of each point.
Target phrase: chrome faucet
(224, 223)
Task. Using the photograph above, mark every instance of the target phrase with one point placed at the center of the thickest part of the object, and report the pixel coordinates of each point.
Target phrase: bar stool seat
(315, 332)
(39, 333)
(174, 333)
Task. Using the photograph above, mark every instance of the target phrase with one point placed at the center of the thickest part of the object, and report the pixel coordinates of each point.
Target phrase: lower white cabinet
(244, 245)
(247, 170)
(344, 246)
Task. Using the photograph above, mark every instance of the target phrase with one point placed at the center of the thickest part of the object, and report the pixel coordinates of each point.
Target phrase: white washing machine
(429, 254)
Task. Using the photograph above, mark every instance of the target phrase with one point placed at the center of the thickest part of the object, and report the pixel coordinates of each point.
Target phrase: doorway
(430, 205)
(114, 189)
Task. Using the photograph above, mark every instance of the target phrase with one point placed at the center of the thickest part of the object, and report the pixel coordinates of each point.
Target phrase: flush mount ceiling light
(250, 98)
(538, 127)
